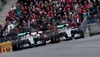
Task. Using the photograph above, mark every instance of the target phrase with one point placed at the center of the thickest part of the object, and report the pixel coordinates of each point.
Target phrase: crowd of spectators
(46, 14)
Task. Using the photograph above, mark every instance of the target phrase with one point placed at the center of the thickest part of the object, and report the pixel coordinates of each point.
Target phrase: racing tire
(17, 45)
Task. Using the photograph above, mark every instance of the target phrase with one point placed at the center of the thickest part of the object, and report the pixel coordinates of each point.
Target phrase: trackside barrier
(5, 47)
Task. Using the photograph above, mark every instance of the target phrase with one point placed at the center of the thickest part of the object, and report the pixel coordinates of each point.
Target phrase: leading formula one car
(67, 33)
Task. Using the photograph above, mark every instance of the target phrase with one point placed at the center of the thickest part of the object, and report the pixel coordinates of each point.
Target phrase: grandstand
(46, 14)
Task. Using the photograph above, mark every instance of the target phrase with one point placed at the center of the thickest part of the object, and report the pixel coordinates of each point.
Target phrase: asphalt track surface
(86, 47)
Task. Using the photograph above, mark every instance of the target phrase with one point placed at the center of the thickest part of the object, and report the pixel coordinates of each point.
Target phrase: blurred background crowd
(47, 14)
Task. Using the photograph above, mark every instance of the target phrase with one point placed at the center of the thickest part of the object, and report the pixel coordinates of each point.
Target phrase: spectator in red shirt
(85, 6)
(67, 7)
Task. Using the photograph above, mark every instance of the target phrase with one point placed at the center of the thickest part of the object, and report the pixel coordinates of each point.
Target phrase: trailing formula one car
(38, 38)
(23, 40)
(34, 39)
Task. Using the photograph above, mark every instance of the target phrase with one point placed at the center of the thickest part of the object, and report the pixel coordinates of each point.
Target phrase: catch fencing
(84, 27)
